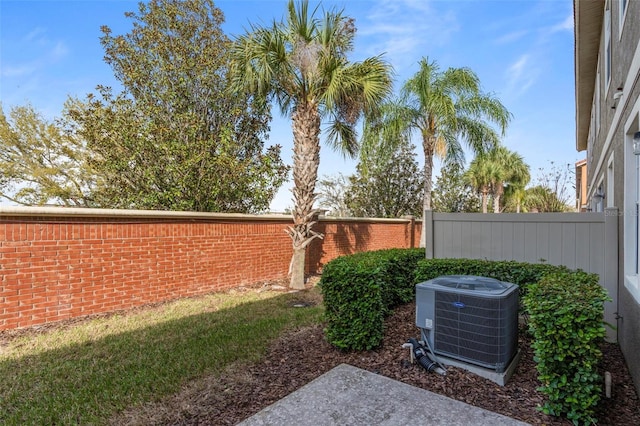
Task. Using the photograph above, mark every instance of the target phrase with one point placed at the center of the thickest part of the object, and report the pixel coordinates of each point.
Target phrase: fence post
(427, 225)
(609, 279)
(412, 230)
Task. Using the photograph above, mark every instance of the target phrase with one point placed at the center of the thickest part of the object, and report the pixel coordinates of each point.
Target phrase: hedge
(520, 273)
(360, 290)
(565, 309)
(565, 317)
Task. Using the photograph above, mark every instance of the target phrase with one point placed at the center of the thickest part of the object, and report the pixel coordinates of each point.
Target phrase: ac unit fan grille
(476, 329)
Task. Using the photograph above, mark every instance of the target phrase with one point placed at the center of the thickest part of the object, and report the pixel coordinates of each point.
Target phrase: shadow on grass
(86, 383)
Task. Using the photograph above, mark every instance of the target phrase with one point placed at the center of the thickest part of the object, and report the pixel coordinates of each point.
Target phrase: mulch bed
(302, 355)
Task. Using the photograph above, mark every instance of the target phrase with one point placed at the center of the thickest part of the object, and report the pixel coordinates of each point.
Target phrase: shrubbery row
(566, 318)
(361, 289)
(565, 309)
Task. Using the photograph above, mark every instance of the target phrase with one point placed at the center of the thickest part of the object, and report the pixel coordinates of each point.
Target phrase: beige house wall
(607, 115)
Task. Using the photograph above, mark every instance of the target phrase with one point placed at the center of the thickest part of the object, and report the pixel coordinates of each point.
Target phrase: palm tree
(515, 197)
(495, 172)
(519, 178)
(481, 175)
(510, 170)
(443, 107)
(301, 63)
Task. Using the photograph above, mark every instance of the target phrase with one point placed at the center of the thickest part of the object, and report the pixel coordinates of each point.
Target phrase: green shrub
(566, 319)
(359, 290)
(520, 273)
(565, 311)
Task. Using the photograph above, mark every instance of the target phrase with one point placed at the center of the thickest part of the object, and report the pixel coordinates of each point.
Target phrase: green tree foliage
(387, 186)
(542, 199)
(175, 139)
(499, 172)
(452, 193)
(513, 172)
(301, 63)
(40, 163)
(481, 175)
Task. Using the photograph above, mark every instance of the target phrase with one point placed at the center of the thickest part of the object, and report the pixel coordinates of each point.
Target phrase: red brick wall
(57, 266)
(347, 236)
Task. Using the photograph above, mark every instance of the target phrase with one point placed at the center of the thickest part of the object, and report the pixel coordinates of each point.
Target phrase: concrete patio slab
(348, 395)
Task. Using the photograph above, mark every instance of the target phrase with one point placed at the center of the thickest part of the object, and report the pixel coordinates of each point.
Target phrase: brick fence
(60, 263)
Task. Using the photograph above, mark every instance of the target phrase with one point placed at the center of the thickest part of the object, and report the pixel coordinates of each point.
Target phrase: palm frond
(477, 134)
(342, 137)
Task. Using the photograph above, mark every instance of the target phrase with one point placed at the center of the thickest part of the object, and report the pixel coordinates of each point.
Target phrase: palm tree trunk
(485, 199)
(427, 146)
(496, 197)
(306, 159)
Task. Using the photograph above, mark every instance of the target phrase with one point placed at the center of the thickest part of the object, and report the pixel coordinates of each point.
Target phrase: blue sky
(522, 50)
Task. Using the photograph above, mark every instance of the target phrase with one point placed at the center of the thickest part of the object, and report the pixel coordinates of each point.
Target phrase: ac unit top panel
(468, 284)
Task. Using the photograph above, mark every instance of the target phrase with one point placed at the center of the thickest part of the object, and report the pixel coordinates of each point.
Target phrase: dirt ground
(302, 355)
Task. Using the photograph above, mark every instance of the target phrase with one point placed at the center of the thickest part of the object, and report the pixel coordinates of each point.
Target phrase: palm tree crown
(481, 175)
(443, 107)
(302, 65)
(498, 171)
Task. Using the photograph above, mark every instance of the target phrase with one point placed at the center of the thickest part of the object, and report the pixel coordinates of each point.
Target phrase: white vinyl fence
(587, 241)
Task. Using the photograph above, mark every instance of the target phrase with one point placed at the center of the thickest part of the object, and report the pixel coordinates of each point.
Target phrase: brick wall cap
(7, 211)
(403, 219)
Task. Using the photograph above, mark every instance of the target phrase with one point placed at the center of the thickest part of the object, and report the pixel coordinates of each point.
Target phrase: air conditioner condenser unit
(469, 318)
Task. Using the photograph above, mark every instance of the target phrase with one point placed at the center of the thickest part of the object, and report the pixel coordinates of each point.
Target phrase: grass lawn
(85, 373)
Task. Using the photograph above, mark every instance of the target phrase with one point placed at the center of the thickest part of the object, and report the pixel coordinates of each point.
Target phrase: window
(609, 194)
(630, 214)
(590, 138)
(597, 103)
(607, 43)
(622, 15)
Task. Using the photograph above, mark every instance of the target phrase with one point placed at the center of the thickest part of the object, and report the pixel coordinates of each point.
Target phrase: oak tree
(176, 138)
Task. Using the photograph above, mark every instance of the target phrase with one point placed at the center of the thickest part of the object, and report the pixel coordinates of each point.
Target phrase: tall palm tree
(301, 63)
(443, 107)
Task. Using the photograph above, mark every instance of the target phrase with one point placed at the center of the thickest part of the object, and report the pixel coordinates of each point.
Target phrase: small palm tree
(302, 64)
(515, 197)
(510, 170)
(443, 107)
(518, 180)
(496, 171)
(481, 175)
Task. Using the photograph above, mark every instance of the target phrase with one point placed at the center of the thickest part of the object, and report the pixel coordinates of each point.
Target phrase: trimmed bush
(565, 311)
(566, 319)
(361, 289)
(520, 273)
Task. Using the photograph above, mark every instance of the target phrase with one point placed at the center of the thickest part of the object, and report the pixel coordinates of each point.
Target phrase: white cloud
(18, 71)
(58, 52)
(45, 59)
(566, 25)
(404, 30)
(34, 34)
(511, 37)
(521, 75)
